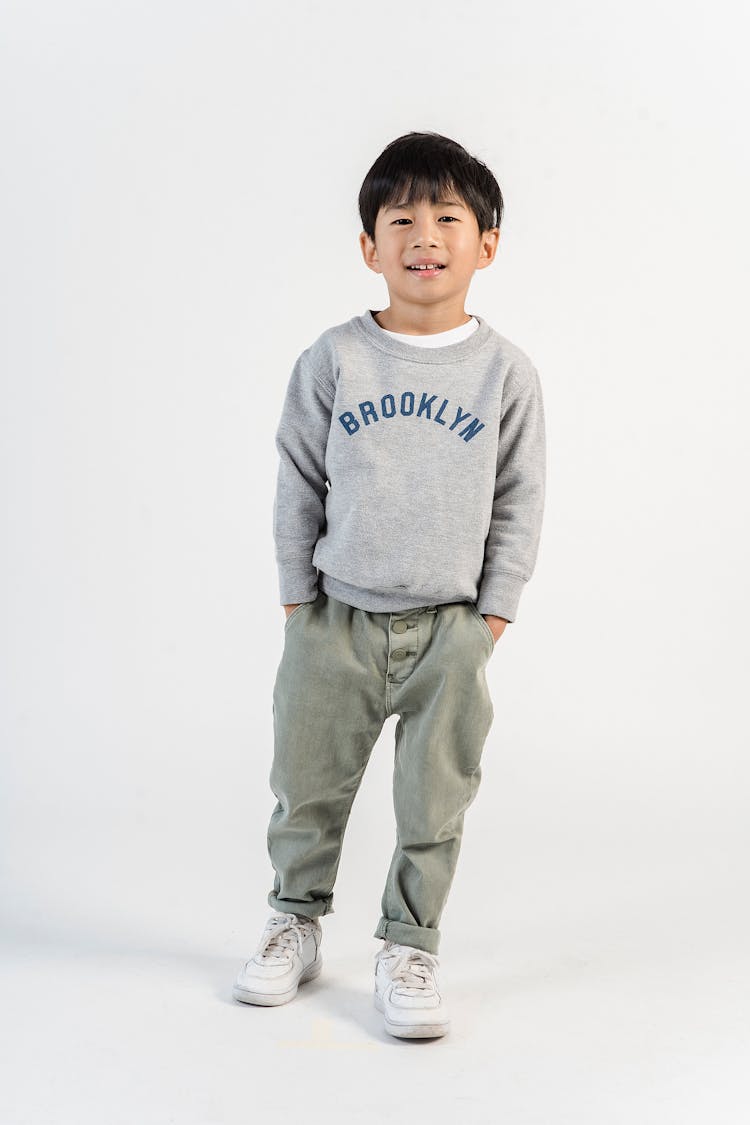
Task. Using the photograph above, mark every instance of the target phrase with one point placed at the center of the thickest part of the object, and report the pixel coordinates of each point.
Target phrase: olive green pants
(343, 672)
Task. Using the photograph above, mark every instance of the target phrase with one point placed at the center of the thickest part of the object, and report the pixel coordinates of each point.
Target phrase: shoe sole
(271, 999)
(411, 1030)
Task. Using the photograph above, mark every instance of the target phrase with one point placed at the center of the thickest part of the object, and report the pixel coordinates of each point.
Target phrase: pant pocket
(474, 612)
(296, 612)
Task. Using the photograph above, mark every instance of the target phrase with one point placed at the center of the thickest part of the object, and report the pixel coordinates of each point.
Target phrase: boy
(407, 519)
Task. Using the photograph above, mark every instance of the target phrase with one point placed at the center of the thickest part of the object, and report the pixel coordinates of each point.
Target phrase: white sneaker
(407, 991)
(287, 956)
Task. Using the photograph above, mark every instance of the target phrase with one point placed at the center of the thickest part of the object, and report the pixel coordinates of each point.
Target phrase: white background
(179, 222)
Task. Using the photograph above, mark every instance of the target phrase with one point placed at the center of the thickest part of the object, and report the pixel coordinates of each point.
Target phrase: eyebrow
(440, 203)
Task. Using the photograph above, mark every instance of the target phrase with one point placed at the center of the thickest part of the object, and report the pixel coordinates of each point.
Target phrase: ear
(369, 252)
(488, 247)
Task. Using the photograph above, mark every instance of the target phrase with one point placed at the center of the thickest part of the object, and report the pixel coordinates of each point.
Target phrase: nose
(425, 231)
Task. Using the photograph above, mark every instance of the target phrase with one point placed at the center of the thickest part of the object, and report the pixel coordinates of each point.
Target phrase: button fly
(399, 626)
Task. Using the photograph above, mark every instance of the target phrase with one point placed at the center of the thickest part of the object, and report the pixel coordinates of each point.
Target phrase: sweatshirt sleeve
(299, 503)
(512, 541)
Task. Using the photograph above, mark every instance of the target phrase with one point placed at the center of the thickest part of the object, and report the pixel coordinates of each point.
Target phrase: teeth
(434, 266)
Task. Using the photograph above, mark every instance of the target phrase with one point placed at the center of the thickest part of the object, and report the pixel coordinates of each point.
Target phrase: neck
(421, 321)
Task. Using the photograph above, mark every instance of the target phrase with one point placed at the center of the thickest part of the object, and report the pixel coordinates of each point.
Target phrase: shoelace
(283, 935)
(413, 968)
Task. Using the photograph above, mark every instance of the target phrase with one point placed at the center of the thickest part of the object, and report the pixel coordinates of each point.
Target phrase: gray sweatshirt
(409, 476)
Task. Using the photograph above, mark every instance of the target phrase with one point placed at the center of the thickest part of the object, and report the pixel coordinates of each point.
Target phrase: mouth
(426, 269)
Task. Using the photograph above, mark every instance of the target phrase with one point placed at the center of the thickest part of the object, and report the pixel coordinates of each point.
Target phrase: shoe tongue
(277, 946)
(412, 976)
(409, 977)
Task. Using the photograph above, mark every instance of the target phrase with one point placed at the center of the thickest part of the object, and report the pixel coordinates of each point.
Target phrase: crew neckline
(437, 339)
(444, 353)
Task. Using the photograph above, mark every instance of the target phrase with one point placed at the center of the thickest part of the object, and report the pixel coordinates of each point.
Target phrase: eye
(452, 218)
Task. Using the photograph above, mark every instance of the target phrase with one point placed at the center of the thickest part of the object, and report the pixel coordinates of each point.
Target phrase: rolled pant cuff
(315, 909)
(421, 937)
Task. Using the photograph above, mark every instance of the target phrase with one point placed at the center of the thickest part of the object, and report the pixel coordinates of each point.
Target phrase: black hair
(425, 166)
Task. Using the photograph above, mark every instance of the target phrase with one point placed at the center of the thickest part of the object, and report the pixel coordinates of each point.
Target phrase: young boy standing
(407, 519)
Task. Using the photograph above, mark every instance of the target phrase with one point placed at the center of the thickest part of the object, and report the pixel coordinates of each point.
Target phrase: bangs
(410, 187)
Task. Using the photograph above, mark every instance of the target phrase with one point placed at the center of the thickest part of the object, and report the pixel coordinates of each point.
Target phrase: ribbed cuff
(500, 594)
(298, 581)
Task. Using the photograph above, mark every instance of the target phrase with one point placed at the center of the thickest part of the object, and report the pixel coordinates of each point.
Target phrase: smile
(426, 271)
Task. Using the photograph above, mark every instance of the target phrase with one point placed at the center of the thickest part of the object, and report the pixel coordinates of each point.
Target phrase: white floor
(638, 1014)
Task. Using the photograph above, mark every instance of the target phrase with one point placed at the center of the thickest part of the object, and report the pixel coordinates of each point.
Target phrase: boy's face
(447, 233)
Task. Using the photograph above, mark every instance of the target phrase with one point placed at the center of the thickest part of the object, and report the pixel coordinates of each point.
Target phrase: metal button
(399, 626)
(399, 654)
